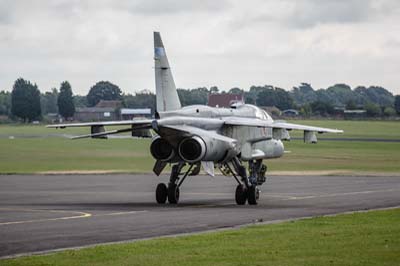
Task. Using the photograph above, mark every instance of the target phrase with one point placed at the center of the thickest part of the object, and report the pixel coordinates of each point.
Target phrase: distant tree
(193, 96)
(248, 98)
(274, 96)
(397, 104)
(65, 101)
(351, 105)
(48, 101)
(214, 89)
(373, 94)
(303, 94)
(80, 101)
(306, 110)
(266, 97)
(235, 91)
(199, 95)
(142, 99)
(103, 90)
(372, 109)
(389, 111)
(338, 95)
(322, 108)
(184, 96)
(25, 100)
(5, 103)
(380, 96)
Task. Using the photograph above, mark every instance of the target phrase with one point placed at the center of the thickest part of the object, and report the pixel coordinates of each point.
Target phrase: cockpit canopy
(253, 111)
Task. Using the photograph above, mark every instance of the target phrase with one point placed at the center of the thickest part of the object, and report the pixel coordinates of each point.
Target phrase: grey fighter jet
(236, 140)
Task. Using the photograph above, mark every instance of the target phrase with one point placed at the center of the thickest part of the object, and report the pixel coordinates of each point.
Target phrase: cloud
(313, 12)
(226, 43)
(303, 14)
(6, 11)
(170, 7)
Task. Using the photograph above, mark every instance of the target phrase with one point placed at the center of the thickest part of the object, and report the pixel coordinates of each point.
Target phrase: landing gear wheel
(173, 193)
(253, 195)
(240, 195)
(161, 193)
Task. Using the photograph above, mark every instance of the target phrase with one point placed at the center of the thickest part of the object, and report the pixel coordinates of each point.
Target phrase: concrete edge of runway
(228, 228)
(324, 173)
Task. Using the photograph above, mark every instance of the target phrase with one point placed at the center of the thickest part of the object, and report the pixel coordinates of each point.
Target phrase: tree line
(26, 103)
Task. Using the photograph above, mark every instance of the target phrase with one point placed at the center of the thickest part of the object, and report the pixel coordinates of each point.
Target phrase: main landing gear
(171, 192)
(247, 188)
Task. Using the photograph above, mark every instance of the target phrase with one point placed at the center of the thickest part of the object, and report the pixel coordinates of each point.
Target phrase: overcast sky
(225, 43)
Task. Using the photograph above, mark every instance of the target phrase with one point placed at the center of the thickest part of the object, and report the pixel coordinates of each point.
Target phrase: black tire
(253, 195)
(161, 193)
(173, 193)
(240, 195)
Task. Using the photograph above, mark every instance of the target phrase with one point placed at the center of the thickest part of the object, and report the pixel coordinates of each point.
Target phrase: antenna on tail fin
(166, 94)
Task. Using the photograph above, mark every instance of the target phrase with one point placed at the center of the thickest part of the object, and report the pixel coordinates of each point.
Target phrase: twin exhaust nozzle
(190, 149)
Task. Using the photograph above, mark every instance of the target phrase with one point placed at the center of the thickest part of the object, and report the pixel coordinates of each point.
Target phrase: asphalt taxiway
(48, 212)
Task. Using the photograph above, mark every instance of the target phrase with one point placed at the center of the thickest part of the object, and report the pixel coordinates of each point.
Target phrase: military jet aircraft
(193, 136)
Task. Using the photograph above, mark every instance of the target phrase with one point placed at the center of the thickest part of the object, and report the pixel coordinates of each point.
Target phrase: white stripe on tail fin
(166, 94)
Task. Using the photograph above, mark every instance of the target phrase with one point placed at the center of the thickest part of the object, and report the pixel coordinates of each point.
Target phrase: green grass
(21, 130)
(38, 130)
(354, 129)
(371, 238)
(132, 155)
(31, 155)
(338, 155)
(58, 154)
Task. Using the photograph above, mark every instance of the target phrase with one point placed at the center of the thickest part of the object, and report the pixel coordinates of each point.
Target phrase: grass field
(355, 129)
(352, 129)
(371, 238)
(32, 155)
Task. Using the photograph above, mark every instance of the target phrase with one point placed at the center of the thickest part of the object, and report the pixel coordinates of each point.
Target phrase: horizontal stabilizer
(142, 123)
(103, 134)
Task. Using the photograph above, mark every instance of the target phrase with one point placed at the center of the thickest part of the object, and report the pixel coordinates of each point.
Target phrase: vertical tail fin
(166, 94)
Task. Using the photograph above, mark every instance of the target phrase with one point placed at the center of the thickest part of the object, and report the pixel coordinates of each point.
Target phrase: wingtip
(55, 126)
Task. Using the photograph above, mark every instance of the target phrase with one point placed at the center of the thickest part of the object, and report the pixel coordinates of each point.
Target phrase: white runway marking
(339, 194)
(120, 213)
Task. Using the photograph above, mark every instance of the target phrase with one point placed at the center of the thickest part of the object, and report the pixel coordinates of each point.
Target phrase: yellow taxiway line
(77, 215)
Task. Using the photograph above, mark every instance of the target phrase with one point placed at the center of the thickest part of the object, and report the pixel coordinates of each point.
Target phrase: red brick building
(224, 100)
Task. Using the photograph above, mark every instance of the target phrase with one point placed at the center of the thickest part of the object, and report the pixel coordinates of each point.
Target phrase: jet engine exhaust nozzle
(162, 150)
(192, 149)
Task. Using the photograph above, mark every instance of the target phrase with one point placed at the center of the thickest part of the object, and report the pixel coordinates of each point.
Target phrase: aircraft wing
(137, 127)
(136, 122)
(290, 126)
(279, 129)
(255, 122)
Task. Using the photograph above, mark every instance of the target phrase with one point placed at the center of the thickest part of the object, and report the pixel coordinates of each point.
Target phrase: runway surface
(39, 212)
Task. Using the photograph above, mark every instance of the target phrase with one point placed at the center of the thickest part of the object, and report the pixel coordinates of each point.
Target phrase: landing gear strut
(172, 192)
(247, 188)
